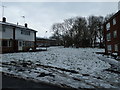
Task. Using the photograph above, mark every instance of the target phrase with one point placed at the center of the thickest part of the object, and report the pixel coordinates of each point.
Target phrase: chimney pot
(4, 19)
(26, 25)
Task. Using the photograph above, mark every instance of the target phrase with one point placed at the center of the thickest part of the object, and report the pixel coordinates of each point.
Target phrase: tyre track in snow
(57, 70)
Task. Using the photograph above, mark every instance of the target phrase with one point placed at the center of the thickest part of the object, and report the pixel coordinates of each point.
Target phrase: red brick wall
(112, 29)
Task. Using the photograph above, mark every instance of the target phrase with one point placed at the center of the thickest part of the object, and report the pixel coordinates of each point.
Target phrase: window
(3, 28)
(115, 34)
(114, 21)
(23, 43)
(108, 37)
(20, 43)
(32, 43)
(9, 43)
(4, 43)
(21, 31)
(25, 32)
(108, 26)
(109, 48)
(0, 43)
(116, 47)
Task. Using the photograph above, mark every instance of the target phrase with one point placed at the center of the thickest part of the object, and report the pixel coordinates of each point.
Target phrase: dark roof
(116, 14)
(39, 38)
(14, 25)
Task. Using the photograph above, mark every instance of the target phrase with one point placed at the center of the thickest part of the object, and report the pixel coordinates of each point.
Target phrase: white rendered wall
(8, 34)
(20, 36)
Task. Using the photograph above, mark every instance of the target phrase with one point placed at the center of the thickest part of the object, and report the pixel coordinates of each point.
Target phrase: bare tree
(58, 29)
(81, 32)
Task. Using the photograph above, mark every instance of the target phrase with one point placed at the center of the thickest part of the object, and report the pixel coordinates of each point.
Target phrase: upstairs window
(24, 32)
(115, 34)
(108, 37)
(114, 21)
(108, 26)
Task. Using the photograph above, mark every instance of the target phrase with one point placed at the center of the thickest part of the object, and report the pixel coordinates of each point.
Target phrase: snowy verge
(65, 67)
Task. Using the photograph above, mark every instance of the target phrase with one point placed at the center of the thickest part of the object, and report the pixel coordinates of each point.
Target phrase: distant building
(16, 37)
(43, 42)
(112, 34)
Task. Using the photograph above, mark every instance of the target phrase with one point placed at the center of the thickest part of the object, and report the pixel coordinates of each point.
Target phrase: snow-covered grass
(68, 67)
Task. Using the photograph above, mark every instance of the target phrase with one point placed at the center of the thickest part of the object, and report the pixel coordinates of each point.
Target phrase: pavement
(12, 83)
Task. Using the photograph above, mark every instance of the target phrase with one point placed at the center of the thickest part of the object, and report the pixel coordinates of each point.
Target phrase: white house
(16, 38)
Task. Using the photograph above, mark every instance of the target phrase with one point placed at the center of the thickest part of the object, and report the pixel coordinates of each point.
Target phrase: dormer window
(108, 26)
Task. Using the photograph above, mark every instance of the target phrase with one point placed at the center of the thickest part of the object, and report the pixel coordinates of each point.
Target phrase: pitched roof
(14, 25)
(116, 14)
(40, 38)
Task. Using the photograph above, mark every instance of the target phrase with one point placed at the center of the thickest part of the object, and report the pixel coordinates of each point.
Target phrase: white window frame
(108, 26)
(109, 37)
(23, 44)
(20, 43)
(25, 32)
(116, 47)
(115, 33)
(114, 21)
(109, 47)
(9, 43)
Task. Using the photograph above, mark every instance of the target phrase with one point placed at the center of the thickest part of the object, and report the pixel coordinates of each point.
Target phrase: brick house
(112, 34)
(45, 42)
(16, 38)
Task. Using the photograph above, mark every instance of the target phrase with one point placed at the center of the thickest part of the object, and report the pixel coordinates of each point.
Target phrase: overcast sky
(41, 15)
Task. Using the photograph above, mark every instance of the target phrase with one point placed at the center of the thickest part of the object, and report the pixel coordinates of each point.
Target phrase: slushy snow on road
(65, 67)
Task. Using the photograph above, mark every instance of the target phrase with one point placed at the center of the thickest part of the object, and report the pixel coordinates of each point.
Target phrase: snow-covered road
(66, 67)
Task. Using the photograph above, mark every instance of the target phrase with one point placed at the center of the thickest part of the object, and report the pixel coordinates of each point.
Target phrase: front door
(20, 45)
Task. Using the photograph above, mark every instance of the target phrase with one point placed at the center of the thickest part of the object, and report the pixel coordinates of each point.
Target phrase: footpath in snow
(65, 67)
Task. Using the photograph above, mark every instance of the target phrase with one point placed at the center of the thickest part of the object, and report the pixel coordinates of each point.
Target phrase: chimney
(26, 25)
(4, 19)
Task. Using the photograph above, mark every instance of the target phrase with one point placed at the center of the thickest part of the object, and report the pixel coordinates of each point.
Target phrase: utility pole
(3, 10)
